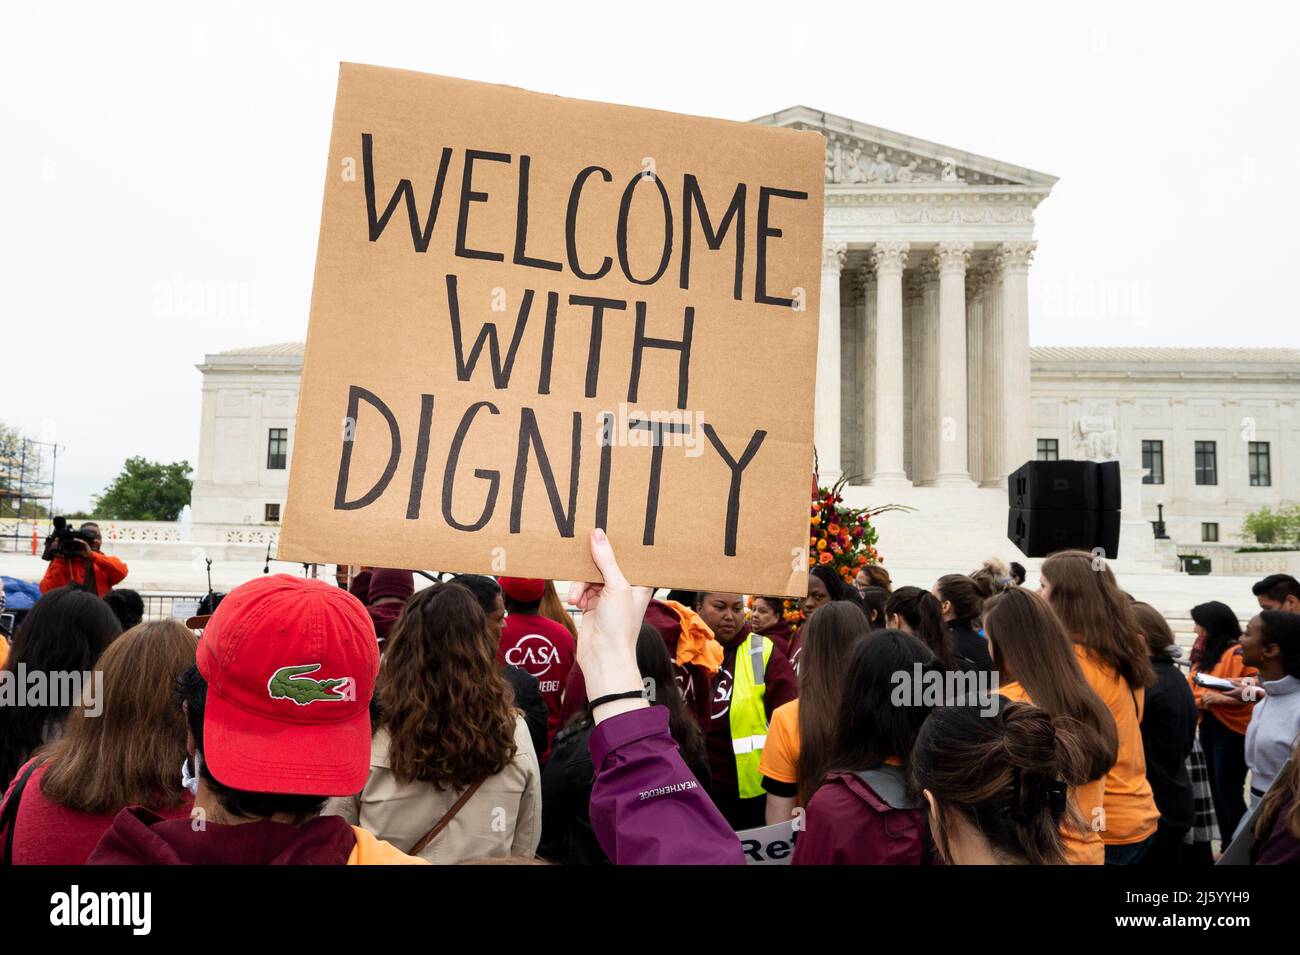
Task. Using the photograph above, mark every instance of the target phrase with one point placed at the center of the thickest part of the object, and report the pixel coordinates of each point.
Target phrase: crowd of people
(367, 721)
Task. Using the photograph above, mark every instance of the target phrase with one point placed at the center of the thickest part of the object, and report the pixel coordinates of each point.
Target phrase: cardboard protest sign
(535, 315)
(769, 845)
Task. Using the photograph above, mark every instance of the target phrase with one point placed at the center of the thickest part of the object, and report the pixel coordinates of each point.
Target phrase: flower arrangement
(842, 538)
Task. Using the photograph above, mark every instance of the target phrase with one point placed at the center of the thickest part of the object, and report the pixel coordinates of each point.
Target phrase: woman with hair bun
(916, 611)
(961, 603)
(996, 786)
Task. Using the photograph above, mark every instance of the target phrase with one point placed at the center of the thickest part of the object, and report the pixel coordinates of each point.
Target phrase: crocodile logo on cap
(291, 683)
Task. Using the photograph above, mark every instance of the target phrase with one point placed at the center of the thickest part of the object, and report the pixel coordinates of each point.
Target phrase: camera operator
(75, 554)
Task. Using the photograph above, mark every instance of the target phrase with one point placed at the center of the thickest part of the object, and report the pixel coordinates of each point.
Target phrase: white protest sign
(769, 845)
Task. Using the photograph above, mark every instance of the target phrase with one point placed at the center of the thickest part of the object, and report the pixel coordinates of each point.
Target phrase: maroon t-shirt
(46, 833)
(780, 686)
(544, 648)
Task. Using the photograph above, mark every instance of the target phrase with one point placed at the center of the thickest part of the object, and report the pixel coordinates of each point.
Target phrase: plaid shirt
(1205, 828)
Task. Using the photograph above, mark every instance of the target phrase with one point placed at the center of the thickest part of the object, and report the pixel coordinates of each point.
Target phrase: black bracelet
(610, 698)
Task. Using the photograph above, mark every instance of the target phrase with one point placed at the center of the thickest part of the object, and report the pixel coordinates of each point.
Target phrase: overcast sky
(146, 151)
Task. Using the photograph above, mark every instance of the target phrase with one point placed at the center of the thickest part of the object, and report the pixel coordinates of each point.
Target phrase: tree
(1267, 526)
(146, 491)
(12, 478)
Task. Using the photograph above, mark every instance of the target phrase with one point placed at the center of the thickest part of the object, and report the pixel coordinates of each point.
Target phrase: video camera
(64, 537)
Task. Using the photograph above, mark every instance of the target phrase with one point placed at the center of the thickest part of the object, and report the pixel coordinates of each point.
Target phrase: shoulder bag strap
(446, 819)
(9, 814)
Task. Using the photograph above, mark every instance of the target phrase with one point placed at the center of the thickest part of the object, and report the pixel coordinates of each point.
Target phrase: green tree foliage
(145, 491)
(1280, 527)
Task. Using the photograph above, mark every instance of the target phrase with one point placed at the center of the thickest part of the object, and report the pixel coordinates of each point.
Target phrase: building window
(1207, 465)
(1260, 472)
(1048, 449)
(1153, 461)
(273, 513)
(1210, 533)
(277, 449)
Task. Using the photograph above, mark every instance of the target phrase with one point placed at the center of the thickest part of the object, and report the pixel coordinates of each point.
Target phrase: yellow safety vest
(747, 716)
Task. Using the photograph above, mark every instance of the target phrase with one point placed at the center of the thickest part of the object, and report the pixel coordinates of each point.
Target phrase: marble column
(889, 259)
(976, 282)
(826, 415)
(1017, 429)
(913, 297)
(951, 467)
(868, 438)
(993, 406)
(925, 365)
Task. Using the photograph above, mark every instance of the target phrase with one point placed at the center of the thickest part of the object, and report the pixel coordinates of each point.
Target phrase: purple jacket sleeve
(646, 806)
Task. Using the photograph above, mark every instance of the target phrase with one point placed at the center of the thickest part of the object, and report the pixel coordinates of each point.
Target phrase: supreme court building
(924, 337)
(928, 393)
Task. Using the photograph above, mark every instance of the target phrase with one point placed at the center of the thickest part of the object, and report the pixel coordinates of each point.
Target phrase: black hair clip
(1030, 798)
(1057, 797)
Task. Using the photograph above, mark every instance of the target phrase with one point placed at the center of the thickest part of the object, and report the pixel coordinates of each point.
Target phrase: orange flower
(833, 530)
(825, 558)
(821, 545)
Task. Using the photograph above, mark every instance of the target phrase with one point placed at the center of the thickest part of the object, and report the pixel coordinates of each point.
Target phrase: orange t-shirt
(1231, 663)
(1130, 813)
(1082, 846)
(780, 759)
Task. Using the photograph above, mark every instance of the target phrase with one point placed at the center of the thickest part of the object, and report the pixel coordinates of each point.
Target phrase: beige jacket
(504, 818)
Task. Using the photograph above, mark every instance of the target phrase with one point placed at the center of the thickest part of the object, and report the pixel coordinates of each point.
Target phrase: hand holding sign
(612, 612)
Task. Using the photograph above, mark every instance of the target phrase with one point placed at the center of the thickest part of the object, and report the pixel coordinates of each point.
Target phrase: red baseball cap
(523, 589)
(290, 665)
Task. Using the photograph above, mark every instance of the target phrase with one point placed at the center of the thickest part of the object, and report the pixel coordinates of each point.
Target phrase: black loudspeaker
(1064, 505)
(1056, 485)
(1039, 533)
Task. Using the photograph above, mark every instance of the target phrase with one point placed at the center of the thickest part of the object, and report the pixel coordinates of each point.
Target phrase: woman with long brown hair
(865, 810)
(1037, 664)
(124, 749)
(453, 773)
(801, 734)
(1112, 652)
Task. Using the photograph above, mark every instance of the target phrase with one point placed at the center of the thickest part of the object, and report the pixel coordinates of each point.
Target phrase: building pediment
(863, 155)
